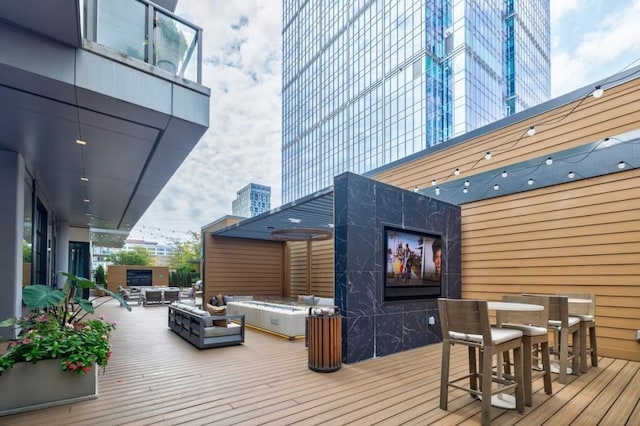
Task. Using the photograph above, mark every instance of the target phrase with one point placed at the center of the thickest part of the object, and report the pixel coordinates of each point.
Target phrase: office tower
(368, 83)
(252, 200)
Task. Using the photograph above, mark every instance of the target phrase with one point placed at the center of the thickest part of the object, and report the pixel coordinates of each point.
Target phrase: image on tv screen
(139, 277)
(413, 264)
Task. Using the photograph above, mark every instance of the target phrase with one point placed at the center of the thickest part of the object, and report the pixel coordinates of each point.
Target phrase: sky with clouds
(590, 40)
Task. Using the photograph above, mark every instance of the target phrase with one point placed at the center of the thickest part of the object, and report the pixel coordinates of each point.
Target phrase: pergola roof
(314, 211)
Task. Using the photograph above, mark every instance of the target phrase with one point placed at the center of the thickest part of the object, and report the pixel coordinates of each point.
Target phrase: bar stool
(586, 312)
(466, 322)
(562, 325)
(535, 338)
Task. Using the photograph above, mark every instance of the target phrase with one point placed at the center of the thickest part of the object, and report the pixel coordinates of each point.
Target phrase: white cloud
(607, 46)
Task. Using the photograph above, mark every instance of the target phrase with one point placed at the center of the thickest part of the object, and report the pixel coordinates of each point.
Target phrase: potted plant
(60, 343)
(171, 44)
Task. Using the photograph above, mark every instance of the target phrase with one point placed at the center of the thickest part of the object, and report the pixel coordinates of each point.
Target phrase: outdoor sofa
(203, 330)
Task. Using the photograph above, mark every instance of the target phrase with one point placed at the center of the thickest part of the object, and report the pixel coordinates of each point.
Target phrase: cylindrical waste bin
(324, 338)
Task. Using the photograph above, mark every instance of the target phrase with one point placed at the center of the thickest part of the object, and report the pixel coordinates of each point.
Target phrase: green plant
(56, 327)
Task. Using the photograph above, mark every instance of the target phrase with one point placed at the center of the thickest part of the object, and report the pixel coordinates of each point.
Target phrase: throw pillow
(217, 311)
(308, 300)
(220, 300)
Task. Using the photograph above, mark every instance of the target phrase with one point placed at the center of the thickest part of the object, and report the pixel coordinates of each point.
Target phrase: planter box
(28, 386)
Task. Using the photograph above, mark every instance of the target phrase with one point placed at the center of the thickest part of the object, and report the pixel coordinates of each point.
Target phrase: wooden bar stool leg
(528, 362)
(583, 347)
(594, 345)
(546, 364)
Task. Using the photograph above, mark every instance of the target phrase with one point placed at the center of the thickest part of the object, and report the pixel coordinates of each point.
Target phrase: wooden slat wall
(243, 267)
(577, 237)
(117, 275)
(581, 237)
(322, 282)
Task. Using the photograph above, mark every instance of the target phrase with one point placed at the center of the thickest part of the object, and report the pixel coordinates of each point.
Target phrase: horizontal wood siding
(578, 237)
(581, 237)
(243, 267)
(322, 282)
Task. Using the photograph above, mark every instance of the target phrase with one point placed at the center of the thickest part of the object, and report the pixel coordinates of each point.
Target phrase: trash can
(324, 338)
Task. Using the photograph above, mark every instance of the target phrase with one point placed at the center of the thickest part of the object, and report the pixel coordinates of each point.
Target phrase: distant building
(252, 200)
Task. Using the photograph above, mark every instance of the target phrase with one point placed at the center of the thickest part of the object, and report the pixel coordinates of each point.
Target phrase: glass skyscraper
(366, 83)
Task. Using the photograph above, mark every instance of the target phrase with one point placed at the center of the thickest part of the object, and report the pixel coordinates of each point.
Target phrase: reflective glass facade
(369, 82)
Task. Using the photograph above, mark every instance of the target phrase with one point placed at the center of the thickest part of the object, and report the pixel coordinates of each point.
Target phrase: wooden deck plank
(157, 378)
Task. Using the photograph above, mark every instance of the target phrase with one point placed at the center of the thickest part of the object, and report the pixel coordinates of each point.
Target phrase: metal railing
(145, 31)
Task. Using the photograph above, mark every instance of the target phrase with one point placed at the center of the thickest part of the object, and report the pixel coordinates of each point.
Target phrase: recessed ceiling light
(84, 179)
(80, 142)
(86, 200)
(292, 220)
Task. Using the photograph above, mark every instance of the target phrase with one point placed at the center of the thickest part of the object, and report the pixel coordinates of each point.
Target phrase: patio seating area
(155, 377)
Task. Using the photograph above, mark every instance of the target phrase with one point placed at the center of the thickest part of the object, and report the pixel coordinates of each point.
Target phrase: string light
(467, 183)
(530, 182)
(598, 92)
(549, 161)
(571, 175)
(487, 156)
(465, 190)
(433, 182)
(504, 174)
(437, 190)
(456, 172)
(496, 187)
(531, 131)
(622, 165)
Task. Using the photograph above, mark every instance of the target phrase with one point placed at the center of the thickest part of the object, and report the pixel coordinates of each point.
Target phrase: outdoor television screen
(413, 264)
(139, 277)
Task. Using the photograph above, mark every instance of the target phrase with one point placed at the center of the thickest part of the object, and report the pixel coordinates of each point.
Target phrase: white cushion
(498, 335)
(572, 321)
(585, 318)
(527, 330)
(222, 331)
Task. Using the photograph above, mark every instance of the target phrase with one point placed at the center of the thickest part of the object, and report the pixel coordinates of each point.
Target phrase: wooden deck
(157, 378)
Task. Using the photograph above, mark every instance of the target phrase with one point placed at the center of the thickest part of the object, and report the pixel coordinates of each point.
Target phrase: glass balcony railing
(146, 32)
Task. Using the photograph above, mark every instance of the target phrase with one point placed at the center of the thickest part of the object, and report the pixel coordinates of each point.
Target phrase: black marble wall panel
(362, 208)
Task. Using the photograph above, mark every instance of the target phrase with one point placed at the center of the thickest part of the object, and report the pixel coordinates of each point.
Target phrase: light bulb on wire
(598, 92)
(531, 131)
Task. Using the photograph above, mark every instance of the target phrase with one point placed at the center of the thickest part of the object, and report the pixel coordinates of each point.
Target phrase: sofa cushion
(218, 311)
(219, 300)
(222, 331)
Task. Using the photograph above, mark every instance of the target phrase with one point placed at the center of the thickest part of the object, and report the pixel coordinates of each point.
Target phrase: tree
(186, 255)
(136, 256)
(99, 275)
